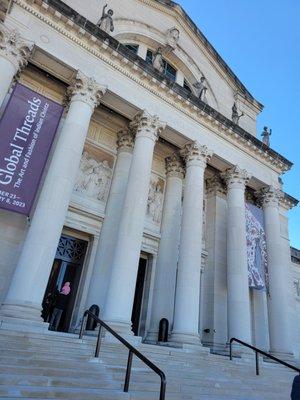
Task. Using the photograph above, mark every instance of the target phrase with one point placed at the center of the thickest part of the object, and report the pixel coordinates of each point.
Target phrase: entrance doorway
(58, 304)
(141, 296)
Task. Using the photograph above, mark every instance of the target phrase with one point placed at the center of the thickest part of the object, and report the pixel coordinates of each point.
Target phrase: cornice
(288, 202)
(109, 50)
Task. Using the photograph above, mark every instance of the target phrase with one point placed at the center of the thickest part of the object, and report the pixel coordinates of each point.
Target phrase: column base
(25, 318)
(122, 328)
(186, 338)
(152, 337)
(23, 325)
(284, 356)
(29, 312)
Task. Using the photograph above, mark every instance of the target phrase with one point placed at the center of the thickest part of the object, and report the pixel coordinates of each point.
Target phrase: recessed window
(186, 86)
(132, 47)
(169, 71)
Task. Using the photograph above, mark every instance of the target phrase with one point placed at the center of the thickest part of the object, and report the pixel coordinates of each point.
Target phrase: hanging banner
(256, 248)
(27, 130)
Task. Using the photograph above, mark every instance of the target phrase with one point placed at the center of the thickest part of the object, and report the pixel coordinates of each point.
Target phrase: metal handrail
(258, 351)
(132, 350)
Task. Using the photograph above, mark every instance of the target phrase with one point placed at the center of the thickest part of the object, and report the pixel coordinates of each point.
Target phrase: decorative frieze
(85, 89)
(194, 152)
(148, 125)
(236, 177)
(174, 166)
(125, 140)
(14, 48)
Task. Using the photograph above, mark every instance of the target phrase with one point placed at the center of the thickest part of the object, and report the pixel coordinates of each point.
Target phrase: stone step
(56, 366)
(60, 393)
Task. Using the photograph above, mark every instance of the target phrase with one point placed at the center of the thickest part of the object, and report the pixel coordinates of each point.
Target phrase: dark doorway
(138, 296)
(67, 267)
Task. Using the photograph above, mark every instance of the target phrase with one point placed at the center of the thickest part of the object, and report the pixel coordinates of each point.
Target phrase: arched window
(132, 47)
(169, 71)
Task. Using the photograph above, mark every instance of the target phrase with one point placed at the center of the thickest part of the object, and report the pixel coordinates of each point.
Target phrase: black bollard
(163, 332)
(91, 324)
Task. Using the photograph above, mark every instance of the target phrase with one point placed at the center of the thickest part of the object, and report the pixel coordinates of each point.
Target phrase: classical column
(238, 300)
(278, 307)
(110, 227)
(165, 275)
(124, 267)
(186, 314)
(214, 305)
(29, 282)
(14, 55)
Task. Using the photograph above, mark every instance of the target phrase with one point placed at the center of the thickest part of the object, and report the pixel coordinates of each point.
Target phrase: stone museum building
(158, 197)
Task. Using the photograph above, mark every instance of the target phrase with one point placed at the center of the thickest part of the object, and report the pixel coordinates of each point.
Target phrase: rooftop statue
(172, 38)
(201, 89)
(157, 61)
(235, 115)
(106, 22)
(266, 136)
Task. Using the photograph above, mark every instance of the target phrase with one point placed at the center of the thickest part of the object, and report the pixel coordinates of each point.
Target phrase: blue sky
(259, 39)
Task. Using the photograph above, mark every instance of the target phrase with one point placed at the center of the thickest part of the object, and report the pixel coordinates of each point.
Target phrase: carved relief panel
(94, 176)
(155, 200)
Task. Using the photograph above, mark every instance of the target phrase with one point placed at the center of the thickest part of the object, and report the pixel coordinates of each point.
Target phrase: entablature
(87, 35)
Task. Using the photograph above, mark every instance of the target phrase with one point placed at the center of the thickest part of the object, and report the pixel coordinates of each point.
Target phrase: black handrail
(258, 351)
(132, 350)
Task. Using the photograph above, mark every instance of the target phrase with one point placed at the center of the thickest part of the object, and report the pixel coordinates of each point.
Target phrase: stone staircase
(57, 366)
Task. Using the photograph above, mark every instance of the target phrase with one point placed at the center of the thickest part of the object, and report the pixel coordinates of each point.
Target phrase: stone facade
(144, 171)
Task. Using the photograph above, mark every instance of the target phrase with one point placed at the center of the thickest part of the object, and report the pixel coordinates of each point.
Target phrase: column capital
(125, 140)
(147, 125)
(236, 177)
(215, 185)
(85, 89)
(174, 166)
(14, 48)
(270, 196)
(194, 153)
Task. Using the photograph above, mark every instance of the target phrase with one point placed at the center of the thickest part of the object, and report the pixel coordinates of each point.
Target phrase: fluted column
(186, 315)
(165, 275)
(124, 267)
(278, 308)
(238, 300)
(29, 282)
(110, 227)
(14, 55)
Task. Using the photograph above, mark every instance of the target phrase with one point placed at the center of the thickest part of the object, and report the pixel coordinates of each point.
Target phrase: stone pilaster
(215, 186)
(14, 54)
(238, 301)
(110, 227)
(186, 315)
(125, 141)
(30, 279)
(214, 298)
(174, 166)
(278, 307)
(124, 266)
(165, 275)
